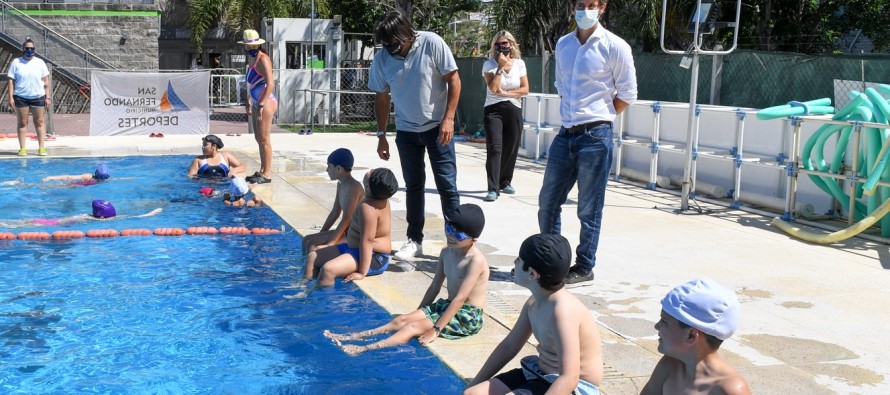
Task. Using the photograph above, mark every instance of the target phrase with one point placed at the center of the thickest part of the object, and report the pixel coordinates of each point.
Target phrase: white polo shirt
(590, 76)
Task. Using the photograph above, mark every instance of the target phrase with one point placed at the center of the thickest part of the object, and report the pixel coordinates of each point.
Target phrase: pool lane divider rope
(109, 233)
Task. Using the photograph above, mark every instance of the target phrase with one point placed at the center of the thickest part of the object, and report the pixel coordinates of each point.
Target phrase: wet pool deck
(813, 317)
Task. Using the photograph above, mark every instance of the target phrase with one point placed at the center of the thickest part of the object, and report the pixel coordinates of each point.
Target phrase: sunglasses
(502, 44)
(459, 236)
(392, 47)
(31, 48)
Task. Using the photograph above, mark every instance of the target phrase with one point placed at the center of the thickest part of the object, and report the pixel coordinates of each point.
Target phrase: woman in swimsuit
(212, 162)
(261, 103)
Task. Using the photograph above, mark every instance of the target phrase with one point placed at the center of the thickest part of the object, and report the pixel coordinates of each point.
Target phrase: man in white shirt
(596, 80)
(418, 69)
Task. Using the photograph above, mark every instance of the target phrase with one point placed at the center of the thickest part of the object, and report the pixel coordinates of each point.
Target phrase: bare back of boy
(458, 266)
(564, 317)
(712, 376)
(371, 210)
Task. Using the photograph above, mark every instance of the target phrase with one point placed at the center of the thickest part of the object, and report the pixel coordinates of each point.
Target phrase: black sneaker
(577, 276)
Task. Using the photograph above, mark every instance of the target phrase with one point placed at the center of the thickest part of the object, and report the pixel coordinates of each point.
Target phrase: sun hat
(704, 305)
(213, 140)
(103, 209)
(251, 37)
(549, 254)
(382, 184)
(468, 218)
(101, 172)
(239, 187)
(342, 157)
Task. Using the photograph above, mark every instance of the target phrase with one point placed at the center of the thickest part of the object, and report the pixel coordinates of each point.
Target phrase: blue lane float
(873, 164)
(796, 108)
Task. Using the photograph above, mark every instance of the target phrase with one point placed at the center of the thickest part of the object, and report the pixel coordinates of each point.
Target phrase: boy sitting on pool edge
(368, 241)
(465, 270)
(349, 193)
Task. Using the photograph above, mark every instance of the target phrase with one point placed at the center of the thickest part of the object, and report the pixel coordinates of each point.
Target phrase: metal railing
(63, 53)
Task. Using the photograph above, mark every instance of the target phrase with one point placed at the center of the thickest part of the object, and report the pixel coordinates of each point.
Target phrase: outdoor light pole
(699, 21)
(311, 66)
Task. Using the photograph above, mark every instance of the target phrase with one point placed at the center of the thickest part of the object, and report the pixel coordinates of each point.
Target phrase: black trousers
(503, 131)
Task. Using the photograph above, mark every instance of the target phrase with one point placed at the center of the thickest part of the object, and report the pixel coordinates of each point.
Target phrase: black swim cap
(382, 184)
(549, 254)
(468, 218)
(213, 140)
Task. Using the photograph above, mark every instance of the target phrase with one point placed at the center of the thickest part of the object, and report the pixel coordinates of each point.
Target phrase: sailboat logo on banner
(171, 102)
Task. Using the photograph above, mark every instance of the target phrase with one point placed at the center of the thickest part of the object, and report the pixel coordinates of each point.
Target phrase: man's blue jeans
(586, 158)
(411, 147)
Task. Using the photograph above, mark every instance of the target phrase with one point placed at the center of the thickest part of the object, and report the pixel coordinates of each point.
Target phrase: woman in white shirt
(29, 93)
(506, 78)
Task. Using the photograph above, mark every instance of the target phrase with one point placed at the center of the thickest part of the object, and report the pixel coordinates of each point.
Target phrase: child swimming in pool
(101, 174)
(102, 210)
(465, 271)
(237, 195)
(368, 244)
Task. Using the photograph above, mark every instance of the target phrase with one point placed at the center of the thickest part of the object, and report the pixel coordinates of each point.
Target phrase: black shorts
(23, 102)
(515, 380)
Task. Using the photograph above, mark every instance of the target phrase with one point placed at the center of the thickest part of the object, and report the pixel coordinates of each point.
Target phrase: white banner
(130, 103)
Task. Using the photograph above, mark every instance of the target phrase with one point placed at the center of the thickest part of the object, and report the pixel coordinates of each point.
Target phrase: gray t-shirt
(418, 91)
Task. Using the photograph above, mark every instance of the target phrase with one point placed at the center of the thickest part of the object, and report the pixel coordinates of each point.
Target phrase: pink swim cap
(206, 191)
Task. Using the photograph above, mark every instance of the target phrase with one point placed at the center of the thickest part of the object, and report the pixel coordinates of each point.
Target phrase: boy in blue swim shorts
(368, 242)
(570, 356)
(464, 269)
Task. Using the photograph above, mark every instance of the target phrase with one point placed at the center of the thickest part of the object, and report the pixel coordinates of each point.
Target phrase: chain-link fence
(741, 79)
(339, 100)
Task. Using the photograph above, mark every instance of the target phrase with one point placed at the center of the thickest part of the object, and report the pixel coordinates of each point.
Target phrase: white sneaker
(409, 250)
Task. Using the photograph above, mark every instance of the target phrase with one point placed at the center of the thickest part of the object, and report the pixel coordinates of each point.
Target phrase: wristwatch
(381, 133)
(501, 72)
(437, 329)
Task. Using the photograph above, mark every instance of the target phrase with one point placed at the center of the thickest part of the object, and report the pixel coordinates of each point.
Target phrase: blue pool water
(190, 314)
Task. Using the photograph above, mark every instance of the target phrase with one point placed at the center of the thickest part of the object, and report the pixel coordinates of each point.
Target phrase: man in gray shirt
(419, 71)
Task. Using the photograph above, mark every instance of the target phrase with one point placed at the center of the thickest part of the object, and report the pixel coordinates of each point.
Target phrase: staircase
(69, 63)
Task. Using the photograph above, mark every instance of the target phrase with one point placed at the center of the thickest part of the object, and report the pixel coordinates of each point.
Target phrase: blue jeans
(411, 147)
(586, 158)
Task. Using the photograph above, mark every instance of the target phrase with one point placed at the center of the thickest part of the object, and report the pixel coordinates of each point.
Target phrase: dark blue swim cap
(101, 172)
(342, 157)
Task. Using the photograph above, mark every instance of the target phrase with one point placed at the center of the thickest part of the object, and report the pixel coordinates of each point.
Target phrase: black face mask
(505, 50)
(395, 50)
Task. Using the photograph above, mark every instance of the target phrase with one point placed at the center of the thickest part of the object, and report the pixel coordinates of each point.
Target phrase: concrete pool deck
(813, 317)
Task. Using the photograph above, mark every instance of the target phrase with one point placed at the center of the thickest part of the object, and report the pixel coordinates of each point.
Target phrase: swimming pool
(190, 314)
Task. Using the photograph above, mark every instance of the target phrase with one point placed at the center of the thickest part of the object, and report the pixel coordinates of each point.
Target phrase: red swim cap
(206, 191)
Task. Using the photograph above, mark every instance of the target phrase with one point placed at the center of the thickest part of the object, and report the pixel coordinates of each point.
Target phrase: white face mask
(586, 18)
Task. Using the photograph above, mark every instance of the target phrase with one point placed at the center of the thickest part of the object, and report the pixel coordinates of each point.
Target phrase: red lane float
(201, 230)
(102, 233)
(136, 232)
(34, 236)
(169, 232)
(234, 230)
(264, 231)
(108, 233)
(68, 234)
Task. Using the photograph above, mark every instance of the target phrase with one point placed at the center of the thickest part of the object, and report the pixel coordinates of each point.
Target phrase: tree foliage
(237, 15)
(808, 26)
